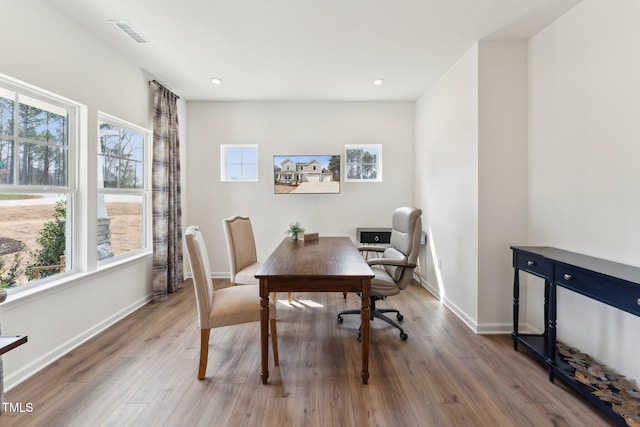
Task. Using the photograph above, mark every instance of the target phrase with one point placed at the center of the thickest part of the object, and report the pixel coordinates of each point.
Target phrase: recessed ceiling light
(378, 81)
(216, 81)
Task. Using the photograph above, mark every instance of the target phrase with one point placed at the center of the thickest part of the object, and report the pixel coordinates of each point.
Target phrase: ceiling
(305, 49)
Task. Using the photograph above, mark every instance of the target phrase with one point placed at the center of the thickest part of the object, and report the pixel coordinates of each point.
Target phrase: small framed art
(363, 163)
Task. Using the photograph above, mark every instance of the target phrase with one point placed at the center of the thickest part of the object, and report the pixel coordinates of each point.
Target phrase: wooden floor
(142, 372)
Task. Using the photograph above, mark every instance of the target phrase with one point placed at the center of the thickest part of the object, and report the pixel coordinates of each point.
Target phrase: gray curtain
(165, 193)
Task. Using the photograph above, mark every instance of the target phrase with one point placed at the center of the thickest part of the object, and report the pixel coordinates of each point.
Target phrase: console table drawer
(534, 264)
(617, 293)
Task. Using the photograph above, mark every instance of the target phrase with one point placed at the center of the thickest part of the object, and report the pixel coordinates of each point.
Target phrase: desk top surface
(322, 258)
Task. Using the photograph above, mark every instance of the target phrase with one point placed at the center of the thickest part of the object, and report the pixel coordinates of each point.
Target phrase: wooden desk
(330, 264)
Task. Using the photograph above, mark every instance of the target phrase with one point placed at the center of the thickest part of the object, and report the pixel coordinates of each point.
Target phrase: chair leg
(354, 311)
(273, 297)
(204, 352)
(274, 341)
(378, 313)
(391, 310)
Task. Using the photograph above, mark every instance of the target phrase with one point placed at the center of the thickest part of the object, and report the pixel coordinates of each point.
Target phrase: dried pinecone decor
(607, 385)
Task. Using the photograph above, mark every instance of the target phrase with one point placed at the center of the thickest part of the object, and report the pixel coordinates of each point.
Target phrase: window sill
(124, 259)
(19, 296)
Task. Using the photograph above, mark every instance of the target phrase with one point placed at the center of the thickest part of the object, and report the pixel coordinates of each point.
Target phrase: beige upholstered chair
(241, 247)
(394, 268)
(224, 307)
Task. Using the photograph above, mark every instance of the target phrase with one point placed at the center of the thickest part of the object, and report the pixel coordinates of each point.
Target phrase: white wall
(471, 134)
(584, 148)
(502, 178)
(45, 49)
(447, 183)
(295, 128)
(580, 176)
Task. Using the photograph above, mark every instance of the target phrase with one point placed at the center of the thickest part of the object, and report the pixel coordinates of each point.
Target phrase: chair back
(406, 232)
(241, 244)
(201, 270)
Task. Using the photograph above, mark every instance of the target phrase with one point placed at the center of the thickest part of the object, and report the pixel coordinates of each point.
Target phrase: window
(238, 163)
(38, 137)
(364, 163)
(123, 187)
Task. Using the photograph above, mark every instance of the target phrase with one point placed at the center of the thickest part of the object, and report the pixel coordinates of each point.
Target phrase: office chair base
(379, 314)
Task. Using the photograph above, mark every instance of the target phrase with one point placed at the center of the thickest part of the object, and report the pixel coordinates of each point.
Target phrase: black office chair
(394, 268)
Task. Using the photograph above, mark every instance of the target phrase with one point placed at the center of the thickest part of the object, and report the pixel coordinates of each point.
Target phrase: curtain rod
(157, 83)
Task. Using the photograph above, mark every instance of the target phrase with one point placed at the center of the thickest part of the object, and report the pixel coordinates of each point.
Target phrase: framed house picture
(363, 163)
(299, 174)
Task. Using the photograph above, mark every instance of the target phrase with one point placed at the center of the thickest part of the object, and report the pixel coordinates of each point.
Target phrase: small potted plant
(295, 228)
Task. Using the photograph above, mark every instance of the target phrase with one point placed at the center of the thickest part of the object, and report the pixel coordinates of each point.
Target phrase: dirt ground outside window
(20, 224)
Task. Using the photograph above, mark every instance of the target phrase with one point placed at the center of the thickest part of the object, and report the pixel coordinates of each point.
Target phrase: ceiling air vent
(130, 31)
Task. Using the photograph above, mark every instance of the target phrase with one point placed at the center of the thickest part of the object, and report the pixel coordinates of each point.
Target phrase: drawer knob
(638, 301)
(568, 277)
(530, 263)
(377, 238)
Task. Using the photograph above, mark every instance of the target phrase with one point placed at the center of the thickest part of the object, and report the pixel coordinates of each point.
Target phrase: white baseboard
(478, 328)
(494, 328)
(45, 360)
(219, 275)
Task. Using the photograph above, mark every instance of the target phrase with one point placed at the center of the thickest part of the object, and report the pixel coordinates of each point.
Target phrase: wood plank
(142, 371)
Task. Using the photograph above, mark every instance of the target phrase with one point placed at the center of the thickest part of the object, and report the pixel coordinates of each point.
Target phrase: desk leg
(264, 329)
(365, 315)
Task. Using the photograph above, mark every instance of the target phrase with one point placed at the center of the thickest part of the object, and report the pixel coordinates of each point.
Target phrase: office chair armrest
(371, 248)
(393, 262)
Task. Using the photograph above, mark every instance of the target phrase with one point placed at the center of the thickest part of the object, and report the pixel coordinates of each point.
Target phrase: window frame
(70, 190)
(224, 164)
(144, 191)
(73, 115)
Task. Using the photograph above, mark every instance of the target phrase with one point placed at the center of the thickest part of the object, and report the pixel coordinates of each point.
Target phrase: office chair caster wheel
(400, 317)
(340, 319)
(403, 336)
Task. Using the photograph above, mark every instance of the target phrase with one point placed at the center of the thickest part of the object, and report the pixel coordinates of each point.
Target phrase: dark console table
(611, 283)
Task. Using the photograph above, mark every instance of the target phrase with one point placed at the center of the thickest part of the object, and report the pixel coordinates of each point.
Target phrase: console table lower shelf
(602, 386)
